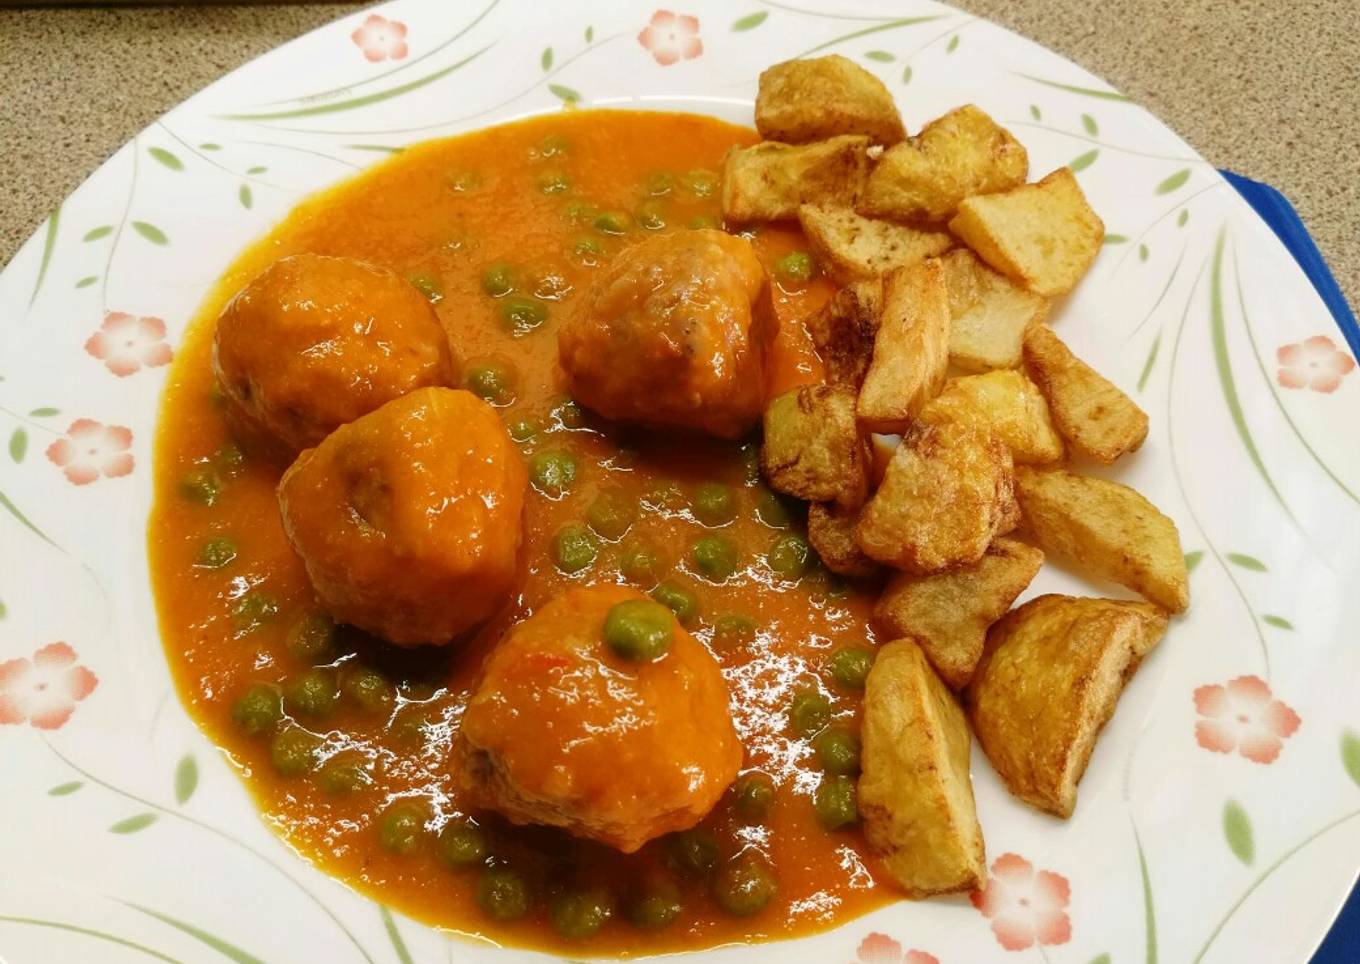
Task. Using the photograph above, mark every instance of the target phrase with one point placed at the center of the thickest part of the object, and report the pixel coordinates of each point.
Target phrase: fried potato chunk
(768, 181)
(946, 494)
(831, 532)
(948, 614)
(956, 156)
(813, 448)
(850, 247)
(915, 794)
(1100, 421)
(1106, 529)
(809, 100)
(1006, 403)
(988, 314)
(1043, 235)
(1049, 679)
(911, 349)
(843, 331)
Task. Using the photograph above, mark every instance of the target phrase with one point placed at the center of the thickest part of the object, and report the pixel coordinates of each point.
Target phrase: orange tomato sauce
(523, 194)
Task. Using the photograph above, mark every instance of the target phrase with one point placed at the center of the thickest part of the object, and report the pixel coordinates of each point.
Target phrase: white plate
(125, 834)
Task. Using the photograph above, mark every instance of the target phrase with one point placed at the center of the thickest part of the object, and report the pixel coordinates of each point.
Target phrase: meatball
(314, 342)
(674, 333)
(616, 730)
(408, 519)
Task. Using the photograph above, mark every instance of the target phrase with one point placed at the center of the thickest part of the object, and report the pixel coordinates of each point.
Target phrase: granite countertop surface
(1268, 89)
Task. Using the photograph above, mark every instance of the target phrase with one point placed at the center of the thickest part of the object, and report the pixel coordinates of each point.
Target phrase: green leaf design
(4, 610)
(1116, 239)
(1193, 559)
(566, 93)
(1084, 91)
(18, 444)
(1142, 381)
(1149, 907)
(378, 148)
(13, 510)
(44, 412)
(166, 158)
(1035, 112)
(1183, 217)
(65, 789)
(149, 231)
(1237, 831)
(882, 56)
(245, 197)
(1350, 755)
(590, 34)
(49, 245)
(906, 74)
(953, 44)
(546, 60)
(1089, 125)
(186, 778)
(134, 823)
(877, 28)
(228, 950)
(1279, 622)
(1246, 561)
(1142, 252)
(209, 146)
(257, 169)
(86, 281)
(394, 935)
(94, 234)
(1174, 181)
(1083, 161)
(90, 932)
(751, 20)
(1101, 959)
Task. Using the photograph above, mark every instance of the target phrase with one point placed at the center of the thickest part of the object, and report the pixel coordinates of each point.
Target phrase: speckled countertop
(1267, 88)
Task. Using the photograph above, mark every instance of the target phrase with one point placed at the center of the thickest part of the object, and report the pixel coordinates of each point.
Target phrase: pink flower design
(124, 343)
(380, 38)
(90, 449)
(882, 949)
(671, 36)
(1243, 716)
(44, 690)
(1314, 363)
(1025, 907)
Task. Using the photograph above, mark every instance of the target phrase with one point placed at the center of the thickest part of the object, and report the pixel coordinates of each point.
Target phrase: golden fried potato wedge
(1043, 235)
(1049, 679)
(831, 532)
(988, 314)
(946, 494)
(911, 350)
(768, 181)
(813, 447)
(948, 614)
(849, 247)
(1107, 530)
(1100, 421)
(809, 100)
(843, 331)
(1010, 406)
(915, 793)
(958, 155)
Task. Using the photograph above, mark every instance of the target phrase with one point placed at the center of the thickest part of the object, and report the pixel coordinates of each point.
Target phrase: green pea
(554, 145)
(229, 461)
(568, 415)
(659, 183)
(849, 666)
(462, 844)
(715, 557)
(580, 212)
(700, 182)
(502, 894)
(368, 689)
(401, 827)
(522, 315)
(836, 802)
(795, 268)
(294, 751)
(664, 497)
(429, 286)
(611, 222)
(732, 629)
(552, 472)
(587, 251)
(491, 380)
(578, 914)
(655, 907)
(753, 796)
(639, 629)
(692, 852)
(574, 548)
(253, 610)
(640, 563)
(524, 430)
(216, 553)
(651, 216)
(311, 638)
(744, 885)
(202, 486)
(789, 556)
(498, 280)
(312, 694)
(343, 775)
(410, 726)
(713, 503)
(258, 709)
(809, 711)
(837, 750)
(612, 513)
(678, 600)
(703, 222)
(554, 182)
(772, 510)
(464, 181)
(550, 285)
